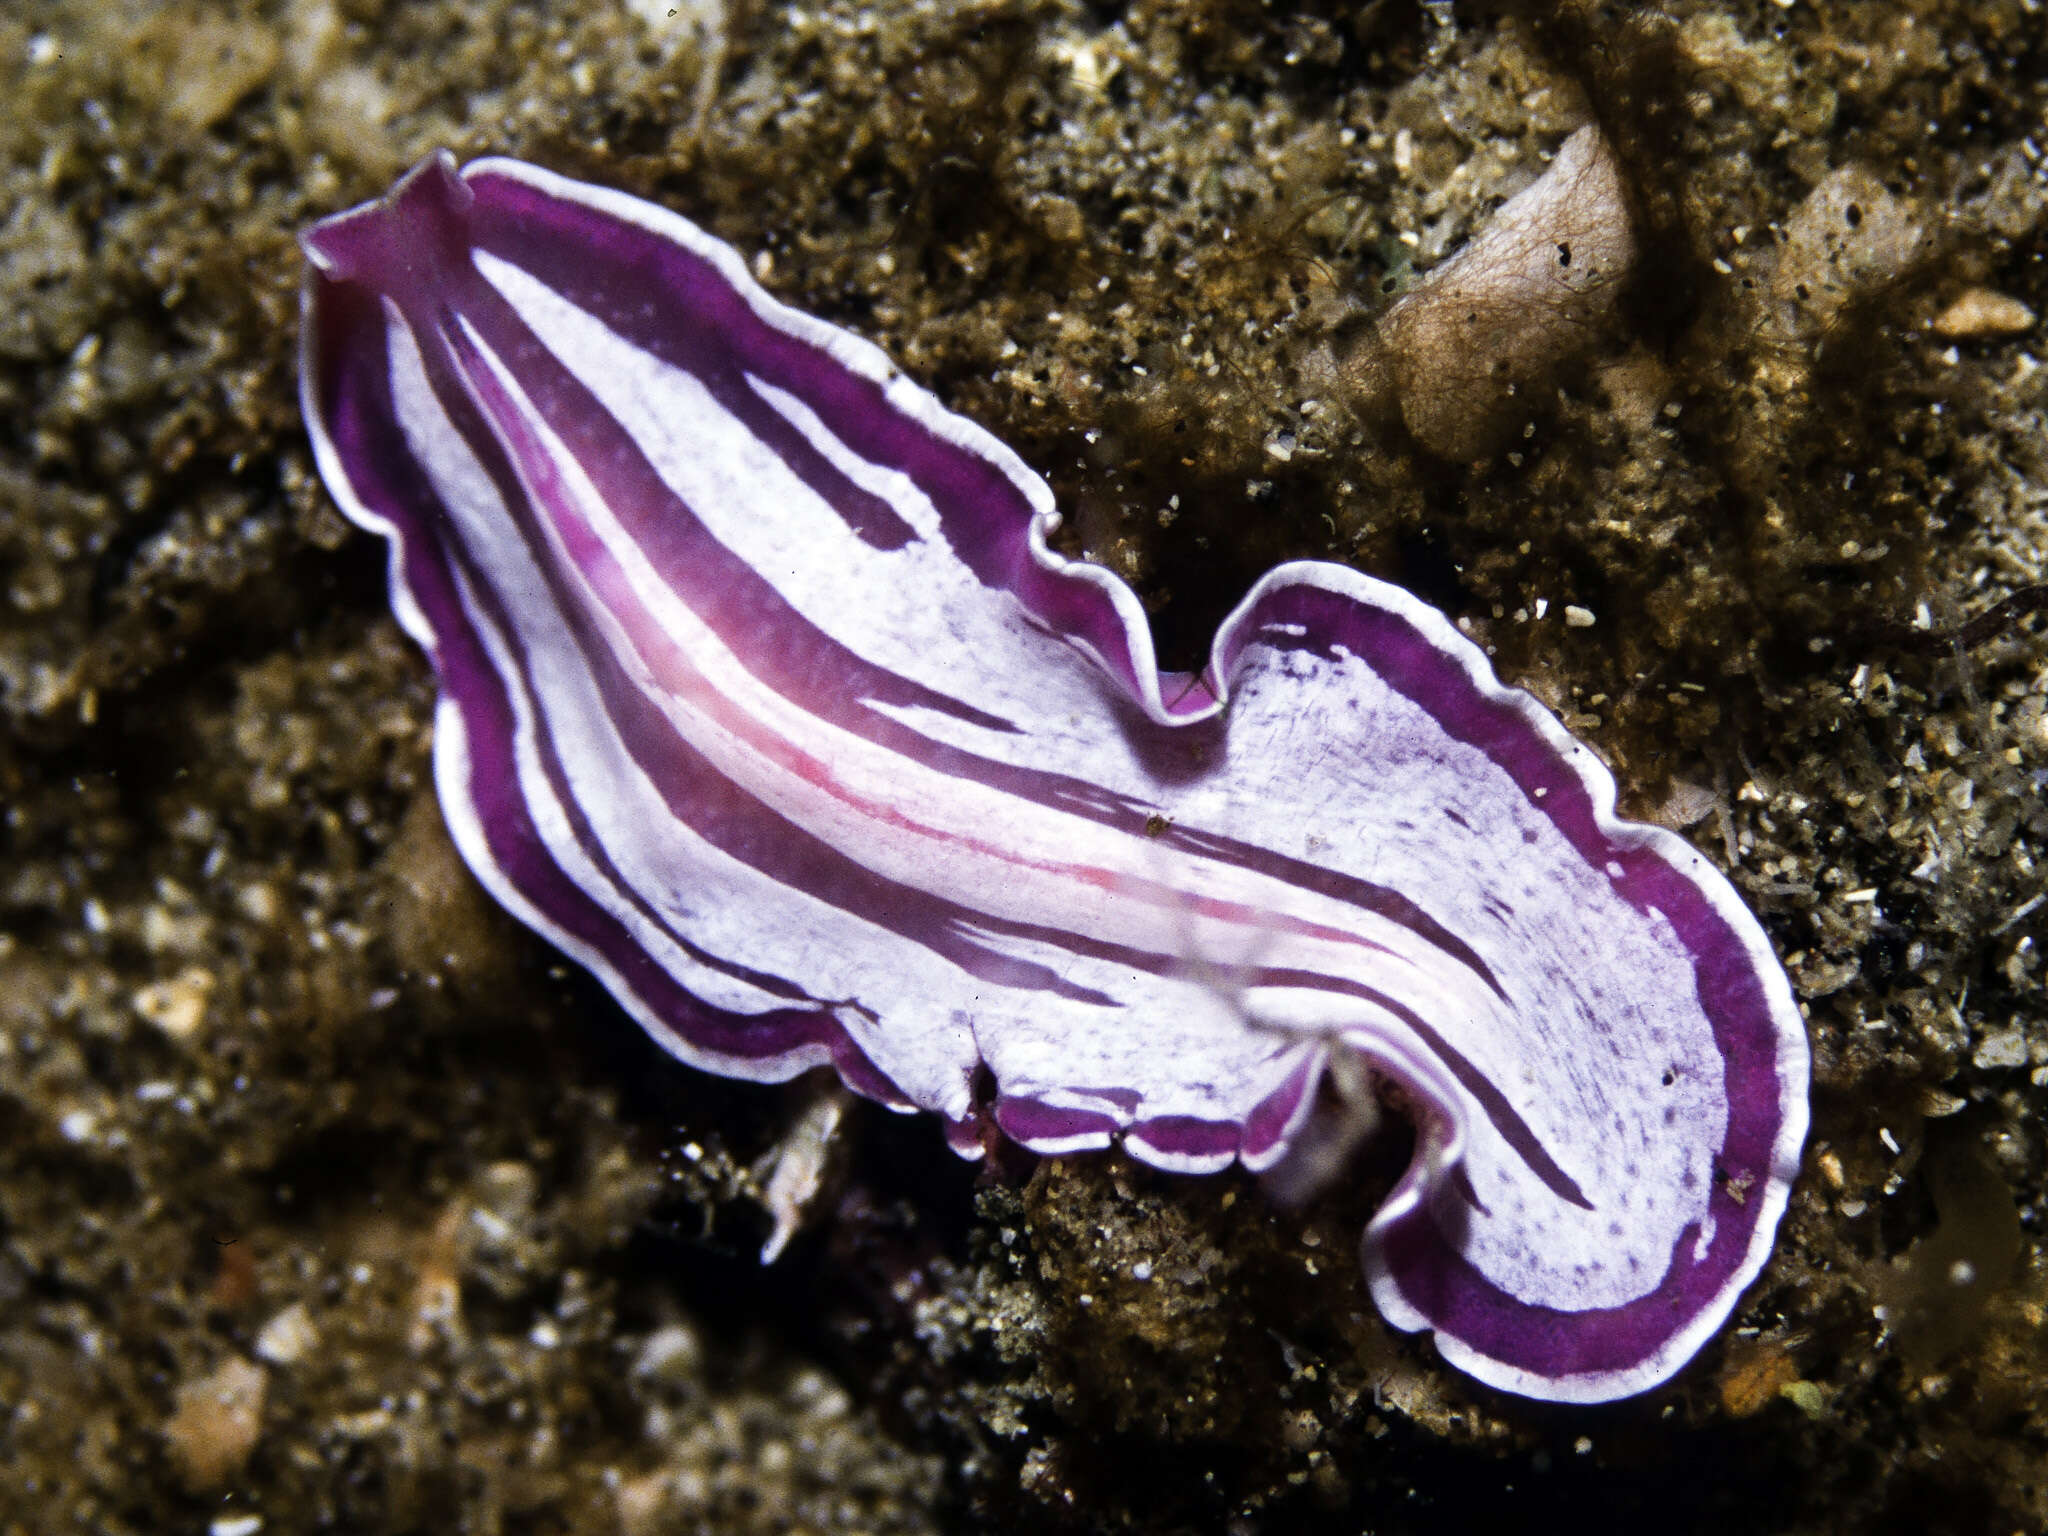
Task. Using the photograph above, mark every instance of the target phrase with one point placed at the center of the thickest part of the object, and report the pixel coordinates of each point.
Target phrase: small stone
(178, 1006)
(1756, 1371)
(2001, 1048)
(1937, 1105)
(1848, 239)
(671, 1355)
(1061, 219)
(214, 1427)
(1978, 313)
(1576, 617)
(1807, 1396)
(794, 1171)
(1830, 1165)
(288, 1337)
(437, 1293)
(43, 312)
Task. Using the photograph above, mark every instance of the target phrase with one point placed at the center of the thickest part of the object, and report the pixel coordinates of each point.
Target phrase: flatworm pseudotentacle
(763, 696)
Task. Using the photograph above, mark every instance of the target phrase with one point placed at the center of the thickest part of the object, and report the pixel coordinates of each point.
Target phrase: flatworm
(764, 697)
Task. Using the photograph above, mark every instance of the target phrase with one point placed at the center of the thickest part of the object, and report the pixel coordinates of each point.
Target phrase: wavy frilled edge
(1417, 1279)
(474, 722)
(1416, 1275)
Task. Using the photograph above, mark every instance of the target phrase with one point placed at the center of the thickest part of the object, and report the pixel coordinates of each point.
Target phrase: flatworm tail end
(1413, 1250)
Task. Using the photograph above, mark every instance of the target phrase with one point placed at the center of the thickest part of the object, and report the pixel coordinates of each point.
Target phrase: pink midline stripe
(941, 926)
(832, 413)
(597, 570)
(594, 566)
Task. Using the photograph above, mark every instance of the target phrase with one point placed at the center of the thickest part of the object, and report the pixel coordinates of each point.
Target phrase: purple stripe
(1029, 1121)
(600, 263)
(1268, 1123)
(353, 387)
(721, 812)
(551, 240)
(1438, 1280)
(474, 430)
(1730, 990)
(595, 852)
(1379, 900)
(807, 666)
(1185, 1136)
(732, 598)
(729, 595)
(1500, 1113)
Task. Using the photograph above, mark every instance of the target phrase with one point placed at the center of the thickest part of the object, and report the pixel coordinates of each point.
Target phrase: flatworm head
(764, 696)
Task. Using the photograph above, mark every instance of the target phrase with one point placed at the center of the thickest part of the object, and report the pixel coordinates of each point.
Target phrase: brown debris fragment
(1980, 314)
(437, 1289)
(1467, 353)
(1847, 240)
(1755, 1374)
(177, 1006)
(199, 67)
(216, 1423)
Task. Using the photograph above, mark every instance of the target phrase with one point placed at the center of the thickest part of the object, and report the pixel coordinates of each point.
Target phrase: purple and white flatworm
(764, 696)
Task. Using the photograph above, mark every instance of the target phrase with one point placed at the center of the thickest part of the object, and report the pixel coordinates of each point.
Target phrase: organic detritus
(1465, 354)
(1847, 240)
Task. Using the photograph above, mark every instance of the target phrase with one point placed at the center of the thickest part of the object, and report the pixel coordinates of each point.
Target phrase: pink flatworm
(764, 697)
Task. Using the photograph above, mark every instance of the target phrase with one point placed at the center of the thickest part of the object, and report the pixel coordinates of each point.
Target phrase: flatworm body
(764, 697)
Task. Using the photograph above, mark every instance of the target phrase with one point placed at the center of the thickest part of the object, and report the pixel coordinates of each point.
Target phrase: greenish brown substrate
(329, 1196)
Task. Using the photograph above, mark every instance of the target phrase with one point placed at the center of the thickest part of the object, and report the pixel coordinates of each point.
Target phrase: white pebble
(2001, 1048)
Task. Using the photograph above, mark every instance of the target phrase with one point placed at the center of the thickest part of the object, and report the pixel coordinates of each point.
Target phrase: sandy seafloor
(332, 1200)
